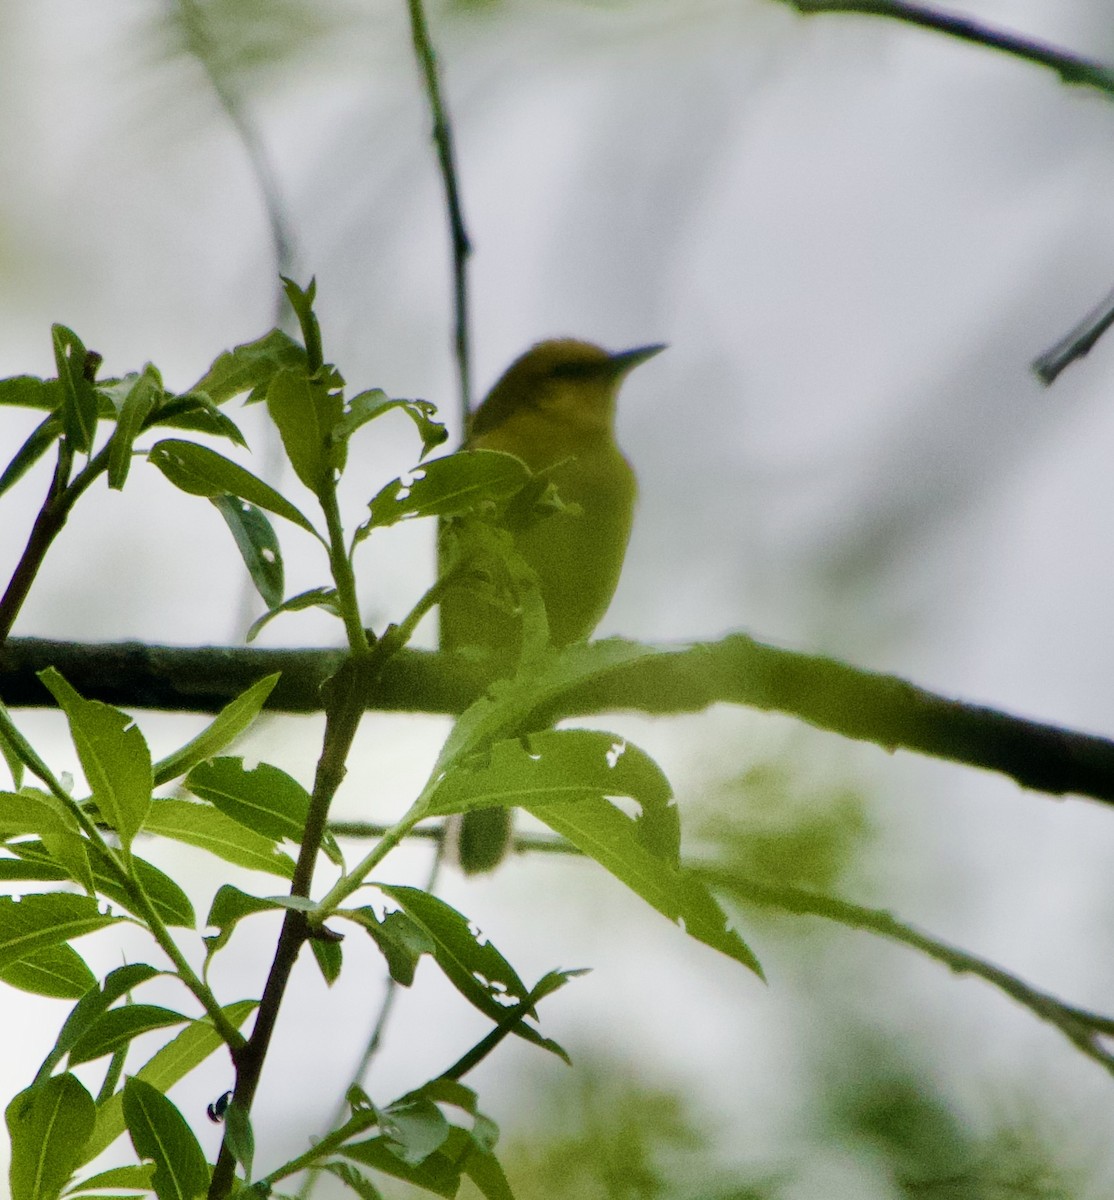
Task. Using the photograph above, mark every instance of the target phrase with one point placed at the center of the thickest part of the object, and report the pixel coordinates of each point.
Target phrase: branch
(1072, 68)
(738, 669)
(446, 160)
(1082, 1028)
(1077, 342)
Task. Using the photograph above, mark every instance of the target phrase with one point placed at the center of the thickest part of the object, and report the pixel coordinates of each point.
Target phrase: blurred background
(855, 235)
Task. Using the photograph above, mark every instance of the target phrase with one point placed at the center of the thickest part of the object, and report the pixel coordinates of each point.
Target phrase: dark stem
(1072, 68)
(461, 245)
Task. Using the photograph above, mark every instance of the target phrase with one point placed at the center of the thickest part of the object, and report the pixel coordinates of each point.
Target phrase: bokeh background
(855, 235)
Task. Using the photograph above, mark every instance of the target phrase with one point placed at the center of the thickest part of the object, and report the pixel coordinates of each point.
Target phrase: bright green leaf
(49, 1123)
(225, 728)
(159, 1133)
(366, 406)
(203, 826)
(57, 971)
(29, 391)
(203, 472)
(118, 1027)
(113, 753)
(34, 922)
(137, 1176)
(249, 366)
(305, 412)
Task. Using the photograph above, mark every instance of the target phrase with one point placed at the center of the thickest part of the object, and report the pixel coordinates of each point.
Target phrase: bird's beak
(627, 360)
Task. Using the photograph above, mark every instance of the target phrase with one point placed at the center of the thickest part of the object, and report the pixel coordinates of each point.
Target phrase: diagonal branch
(831, 695)
(1072, 68)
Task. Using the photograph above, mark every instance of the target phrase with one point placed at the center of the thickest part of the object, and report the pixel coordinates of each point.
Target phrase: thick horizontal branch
(738, 669)
(1072, 68)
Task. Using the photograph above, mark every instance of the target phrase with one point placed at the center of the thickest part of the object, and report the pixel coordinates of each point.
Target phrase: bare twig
(1076, 342)
(1072, 68)
(446, 159)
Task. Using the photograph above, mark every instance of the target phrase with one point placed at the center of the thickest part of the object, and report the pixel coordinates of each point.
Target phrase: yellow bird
(554, 408)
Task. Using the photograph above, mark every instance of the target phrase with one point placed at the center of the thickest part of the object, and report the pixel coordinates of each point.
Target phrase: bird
(554, 408)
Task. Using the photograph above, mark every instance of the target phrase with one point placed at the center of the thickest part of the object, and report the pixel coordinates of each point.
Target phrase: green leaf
(329, 956)
(195, 411)
(79, 401)
(10, 752)
(172, 1063)
(113, 753)
(301, 301)
(401, 940)
(610, 837)
(320, 597)
(230, 905)
(563, 766)
(35, 811)
(438, 1173)
(57, 971)
(239, 1136)
(29, 391)
(49, 1124)
(142, 398)
(305, 412)
(137, 1177)
(366, 406)
(225, 728)
(90, 1007)
(449, 486)
(263, 799)
(168, 899)
(203, 472)
(414, 1129)
(482, 1167)
(203, 826)
(258, 545)
(357, 1181)
(34, 922)
(472, 964)
(118, 1027)
(249, 366)
(159, 1133)
(42, 437)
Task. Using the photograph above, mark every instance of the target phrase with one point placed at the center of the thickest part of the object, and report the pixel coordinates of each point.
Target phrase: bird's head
(565, 383)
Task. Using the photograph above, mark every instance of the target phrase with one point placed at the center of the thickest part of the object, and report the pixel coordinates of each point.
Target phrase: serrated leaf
(306, 412)
(366, 406)
(258, 545)
(57, 971)
(49, 1124)
(445, 487)
(169, 1065)
(320, 597)
(113, 754)
(137, 1176)
(203, 826)
(225, 728)
(32, 923)
(160, 1133)
(29, 391)
(250, 365)
(203, 472)
(79, 401)
(609, 836)
(41, 438)
(563, 766)
(141, 399)
(118, 1027)
(472, 965)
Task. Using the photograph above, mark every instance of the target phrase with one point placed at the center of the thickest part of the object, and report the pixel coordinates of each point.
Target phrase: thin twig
(1076, 342)
(1082, 1028)
(446, 159)
(1072, 68)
